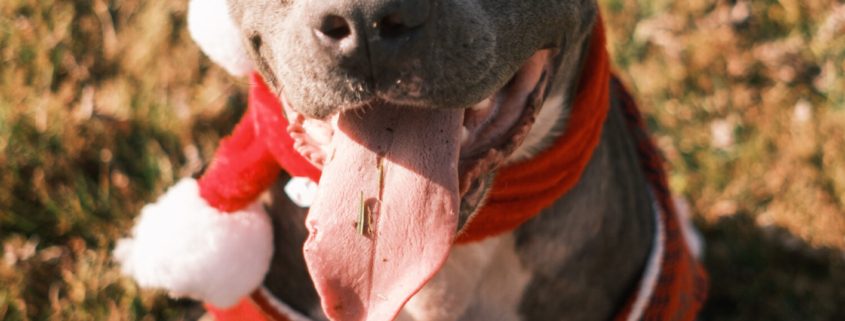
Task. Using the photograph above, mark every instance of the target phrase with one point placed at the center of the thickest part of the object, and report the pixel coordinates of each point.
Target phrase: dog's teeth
(464, 135)
(483, 105)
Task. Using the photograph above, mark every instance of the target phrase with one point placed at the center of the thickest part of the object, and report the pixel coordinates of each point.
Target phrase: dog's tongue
(411, 205)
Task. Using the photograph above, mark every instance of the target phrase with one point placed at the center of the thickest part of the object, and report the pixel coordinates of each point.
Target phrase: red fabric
(248, 161)
(272, 128)
(242, 169)
(256, 307)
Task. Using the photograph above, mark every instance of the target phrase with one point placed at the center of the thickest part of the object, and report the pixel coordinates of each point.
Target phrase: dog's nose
(377, 31)
(384, 21)
(400, 19)
(333, 28)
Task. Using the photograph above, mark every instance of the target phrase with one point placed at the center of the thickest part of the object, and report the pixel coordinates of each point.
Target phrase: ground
(103, 104)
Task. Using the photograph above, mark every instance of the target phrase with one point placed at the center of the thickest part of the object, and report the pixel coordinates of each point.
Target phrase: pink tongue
(413, 213)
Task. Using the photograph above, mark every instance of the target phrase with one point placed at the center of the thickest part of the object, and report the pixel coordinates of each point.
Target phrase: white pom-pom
(189, 248)
(215, 32)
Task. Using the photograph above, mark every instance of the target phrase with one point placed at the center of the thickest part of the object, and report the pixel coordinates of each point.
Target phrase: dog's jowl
(462, 160)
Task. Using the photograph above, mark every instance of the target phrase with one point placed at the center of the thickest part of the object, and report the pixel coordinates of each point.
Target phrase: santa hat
(216, 34)
(191, 249)
(210, 238)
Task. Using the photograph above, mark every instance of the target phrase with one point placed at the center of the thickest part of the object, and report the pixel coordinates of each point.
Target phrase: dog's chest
(480, 281)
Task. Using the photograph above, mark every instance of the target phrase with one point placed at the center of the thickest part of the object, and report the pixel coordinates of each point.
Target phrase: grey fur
(586, 252)
(465, 52)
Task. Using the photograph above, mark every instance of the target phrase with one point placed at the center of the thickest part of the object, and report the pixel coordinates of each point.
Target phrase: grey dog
(580, 258)
(411, 108)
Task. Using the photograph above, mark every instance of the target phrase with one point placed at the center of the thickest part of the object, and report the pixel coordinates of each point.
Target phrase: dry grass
(103, 104)
(747, 99)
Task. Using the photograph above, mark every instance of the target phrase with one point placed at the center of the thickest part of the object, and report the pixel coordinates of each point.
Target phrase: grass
(747, 99)
(103, 104)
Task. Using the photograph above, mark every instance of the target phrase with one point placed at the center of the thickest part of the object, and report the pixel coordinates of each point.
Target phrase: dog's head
(408, 106)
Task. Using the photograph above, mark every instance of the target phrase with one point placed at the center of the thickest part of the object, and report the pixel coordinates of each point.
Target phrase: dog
(417, 113)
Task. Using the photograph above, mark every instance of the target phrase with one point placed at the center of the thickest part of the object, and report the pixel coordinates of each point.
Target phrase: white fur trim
(215, 32)
(652, 270)
(189, 248)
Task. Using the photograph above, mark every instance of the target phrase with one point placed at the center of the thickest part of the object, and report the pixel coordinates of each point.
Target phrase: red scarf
(248, 162)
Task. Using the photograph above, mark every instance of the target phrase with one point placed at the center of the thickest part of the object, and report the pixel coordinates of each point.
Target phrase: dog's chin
(492, 128)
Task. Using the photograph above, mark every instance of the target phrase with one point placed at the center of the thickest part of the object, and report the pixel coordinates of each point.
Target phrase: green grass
(103, 104)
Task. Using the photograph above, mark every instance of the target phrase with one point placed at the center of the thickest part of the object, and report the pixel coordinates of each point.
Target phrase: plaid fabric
(682, 284)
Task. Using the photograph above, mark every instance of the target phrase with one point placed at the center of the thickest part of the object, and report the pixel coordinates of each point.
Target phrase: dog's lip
(496, 126)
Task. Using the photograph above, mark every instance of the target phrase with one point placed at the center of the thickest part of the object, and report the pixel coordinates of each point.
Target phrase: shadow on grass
(769, 274)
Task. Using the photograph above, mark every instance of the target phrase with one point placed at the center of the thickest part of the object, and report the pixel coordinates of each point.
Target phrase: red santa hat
(210, 238)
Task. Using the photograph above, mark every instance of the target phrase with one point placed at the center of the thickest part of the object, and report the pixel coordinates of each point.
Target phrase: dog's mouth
(492, 128)
(395, 180)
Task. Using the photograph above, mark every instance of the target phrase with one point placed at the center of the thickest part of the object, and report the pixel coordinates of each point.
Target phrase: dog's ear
(211, 25)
